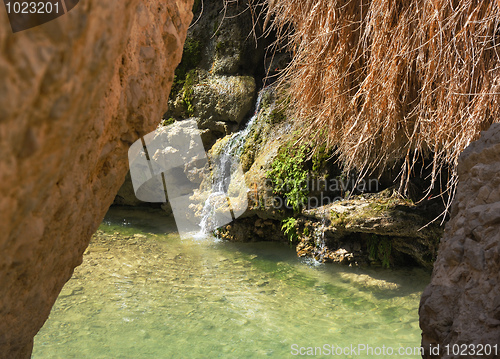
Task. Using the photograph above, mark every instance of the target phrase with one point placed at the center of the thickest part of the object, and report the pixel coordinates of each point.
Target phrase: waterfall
(319, 239)
(226, 171)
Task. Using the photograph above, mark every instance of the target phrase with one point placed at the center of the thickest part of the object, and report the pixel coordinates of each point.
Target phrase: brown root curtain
(389, 82)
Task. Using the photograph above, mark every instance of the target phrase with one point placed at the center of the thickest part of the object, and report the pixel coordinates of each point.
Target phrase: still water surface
(142, 292)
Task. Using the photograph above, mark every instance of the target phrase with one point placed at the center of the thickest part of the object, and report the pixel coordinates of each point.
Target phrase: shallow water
(142, 292)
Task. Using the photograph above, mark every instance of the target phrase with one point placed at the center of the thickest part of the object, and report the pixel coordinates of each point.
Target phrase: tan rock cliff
(74, 94)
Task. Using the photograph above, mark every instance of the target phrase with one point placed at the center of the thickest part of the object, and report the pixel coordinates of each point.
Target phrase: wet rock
(244, 230)
(370, 228)
(216, 82)
(337, 232)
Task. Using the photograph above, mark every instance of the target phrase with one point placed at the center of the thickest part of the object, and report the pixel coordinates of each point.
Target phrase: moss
(225, 47)
(191, 57)
(167, 121)
(293, 167)
(277, 115)
(306, 232)
(338, 219)
(187, 92)
(319, 158)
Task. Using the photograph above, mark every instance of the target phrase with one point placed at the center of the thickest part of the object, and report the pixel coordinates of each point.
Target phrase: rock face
(462, 303)
(370, 228)
(75, 93)
(222, 66)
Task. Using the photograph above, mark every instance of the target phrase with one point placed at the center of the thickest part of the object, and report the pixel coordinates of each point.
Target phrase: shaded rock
(76, 92)
(245, 230)
(126, 195)
(462, 303)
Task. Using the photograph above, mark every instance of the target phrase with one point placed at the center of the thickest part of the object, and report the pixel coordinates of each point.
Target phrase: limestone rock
(224, 98)
(76, 92)
(462, 303)
(368, 228)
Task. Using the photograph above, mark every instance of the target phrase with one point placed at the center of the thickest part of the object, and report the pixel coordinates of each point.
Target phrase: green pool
(142, 292)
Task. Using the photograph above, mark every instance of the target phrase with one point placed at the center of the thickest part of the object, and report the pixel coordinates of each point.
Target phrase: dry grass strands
(386, 81)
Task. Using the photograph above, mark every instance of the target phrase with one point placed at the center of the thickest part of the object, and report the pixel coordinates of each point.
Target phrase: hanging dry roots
(388, 82)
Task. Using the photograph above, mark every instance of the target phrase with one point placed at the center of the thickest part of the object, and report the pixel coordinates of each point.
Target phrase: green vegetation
(289, 176)
(306, 231)
(289, 229)
(167, 121)
(319, 158)
(404, 85)
(338, 218)
(291, 170)
(222, 46)
(216, 28)
(277, 115)
(380, 249)
(191, 57)
(187, 92)
(278, 104)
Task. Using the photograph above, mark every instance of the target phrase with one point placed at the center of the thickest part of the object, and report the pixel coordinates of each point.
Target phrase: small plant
(372, 247)
(338, 218)
(288, 226)
(319, 158)
(306, 232)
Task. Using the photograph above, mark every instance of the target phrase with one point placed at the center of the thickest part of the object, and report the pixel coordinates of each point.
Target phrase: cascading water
(319, 239)
(223, 166)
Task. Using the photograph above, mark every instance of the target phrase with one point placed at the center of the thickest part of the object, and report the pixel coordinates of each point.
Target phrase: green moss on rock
(191, 57)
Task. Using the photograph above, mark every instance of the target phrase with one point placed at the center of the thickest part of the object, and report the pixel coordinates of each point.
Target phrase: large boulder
(461, 305)
(76, 92)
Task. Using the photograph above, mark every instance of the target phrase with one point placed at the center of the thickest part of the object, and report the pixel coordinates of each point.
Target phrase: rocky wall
(461, 306)
(75, 93)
